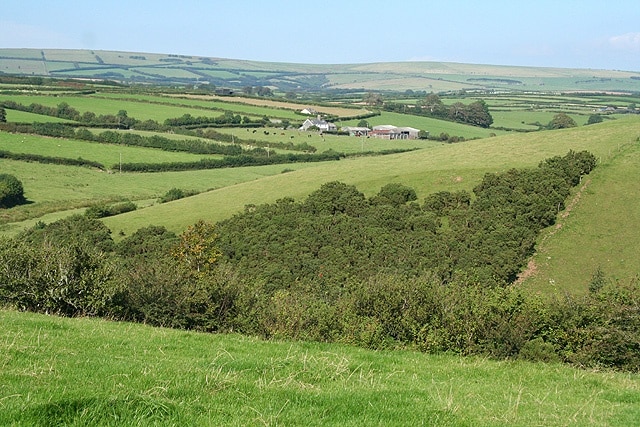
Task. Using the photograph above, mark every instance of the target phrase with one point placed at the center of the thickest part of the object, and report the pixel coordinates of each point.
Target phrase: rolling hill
(169, 69)
(88, 371)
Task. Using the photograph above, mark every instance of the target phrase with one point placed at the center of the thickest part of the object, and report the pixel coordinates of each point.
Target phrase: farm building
(323, 125)
(394, 132)
(309, 111)
(356, 131)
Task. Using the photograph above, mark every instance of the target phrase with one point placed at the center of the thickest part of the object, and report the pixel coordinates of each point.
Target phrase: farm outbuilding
(356, 131)
(394, 132)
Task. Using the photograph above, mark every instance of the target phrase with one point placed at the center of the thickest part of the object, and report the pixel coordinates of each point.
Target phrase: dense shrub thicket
(380, 272)
(338, 234)
(230, 162)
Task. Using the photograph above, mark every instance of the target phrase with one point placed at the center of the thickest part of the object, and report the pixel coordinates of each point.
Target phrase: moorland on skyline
(154, 68)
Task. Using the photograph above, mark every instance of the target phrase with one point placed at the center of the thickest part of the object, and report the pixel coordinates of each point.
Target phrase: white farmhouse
(321, 124)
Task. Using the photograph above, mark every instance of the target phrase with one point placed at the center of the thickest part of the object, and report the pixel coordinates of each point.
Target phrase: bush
(11, 191)
(537, 350)
(67, 280)
(104, 210)
(175, 194)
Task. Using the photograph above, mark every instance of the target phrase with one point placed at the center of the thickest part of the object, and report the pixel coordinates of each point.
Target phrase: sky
(546, 33)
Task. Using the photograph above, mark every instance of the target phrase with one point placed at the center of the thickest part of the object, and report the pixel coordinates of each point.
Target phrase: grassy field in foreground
(93, 372)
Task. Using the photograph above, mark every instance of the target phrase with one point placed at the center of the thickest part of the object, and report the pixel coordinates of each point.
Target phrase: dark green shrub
(75, 229)
(11, 191)
(173, 194)
(147, 241)
(104, 210)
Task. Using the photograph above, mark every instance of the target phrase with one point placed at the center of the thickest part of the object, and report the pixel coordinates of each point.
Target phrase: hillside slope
(598, 233)
(461, 166)
(233, 73)
(92, 372)
(439, 167)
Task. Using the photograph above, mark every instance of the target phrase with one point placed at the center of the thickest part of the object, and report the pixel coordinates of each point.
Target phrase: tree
(562, 121)
(335, 197)
(395, 194)
(433, 103)
(264, 91)
(76, 229)
(363, 124)
(478, 114)
(124, 121)
(11, 191)
(374, 99)
(3, 115)
(197, 248)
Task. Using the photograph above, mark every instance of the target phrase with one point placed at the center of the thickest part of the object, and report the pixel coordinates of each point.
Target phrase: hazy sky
(555, 33)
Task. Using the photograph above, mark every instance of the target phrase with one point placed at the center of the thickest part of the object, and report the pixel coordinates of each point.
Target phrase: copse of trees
(339, 234)
(476, 113)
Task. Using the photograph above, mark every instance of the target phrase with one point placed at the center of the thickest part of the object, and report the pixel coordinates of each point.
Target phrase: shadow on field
(98, 411)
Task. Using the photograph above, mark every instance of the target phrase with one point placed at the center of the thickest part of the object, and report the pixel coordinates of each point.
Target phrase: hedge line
(50, 160)
(229, 162)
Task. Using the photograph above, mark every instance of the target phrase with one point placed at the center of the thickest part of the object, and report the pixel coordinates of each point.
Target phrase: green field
(94, 372)
(433, 166)
(107, 154)
(599, 233)
(135, 109)
(85, 371)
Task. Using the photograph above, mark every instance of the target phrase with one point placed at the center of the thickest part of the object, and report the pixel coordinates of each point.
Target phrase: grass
(599, 232)
(434, 168)
(138, 110)
(93, 372)
(25, 117)
(107, 154)
(54, 188)
(202, 105)
(433, 126)
(323, 142)
(562, 263)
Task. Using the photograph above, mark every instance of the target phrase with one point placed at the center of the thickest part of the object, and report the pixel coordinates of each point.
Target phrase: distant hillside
(133, 67)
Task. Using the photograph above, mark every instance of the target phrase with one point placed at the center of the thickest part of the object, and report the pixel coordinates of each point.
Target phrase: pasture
(433, 168)
(86, 371)
(93, 372)
(54, 191)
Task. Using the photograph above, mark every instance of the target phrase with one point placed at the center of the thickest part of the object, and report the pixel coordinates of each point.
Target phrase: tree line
(475, 114)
